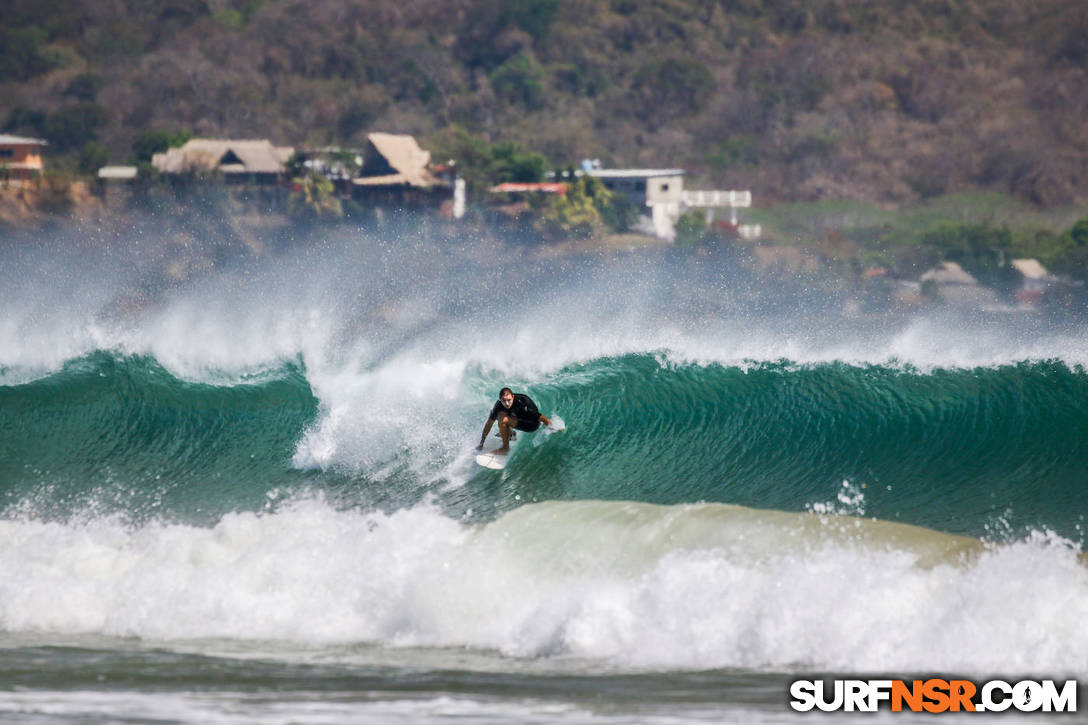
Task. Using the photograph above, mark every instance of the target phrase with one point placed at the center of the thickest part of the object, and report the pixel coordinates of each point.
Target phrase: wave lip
(633, 585)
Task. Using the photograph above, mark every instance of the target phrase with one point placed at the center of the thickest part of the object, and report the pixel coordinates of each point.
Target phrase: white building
(662, 190)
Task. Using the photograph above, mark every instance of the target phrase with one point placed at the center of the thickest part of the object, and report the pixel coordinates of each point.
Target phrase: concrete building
(659, 190)
(661, 194)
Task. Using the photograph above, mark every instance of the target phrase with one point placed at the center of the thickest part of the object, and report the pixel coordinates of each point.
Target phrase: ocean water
(251, 497)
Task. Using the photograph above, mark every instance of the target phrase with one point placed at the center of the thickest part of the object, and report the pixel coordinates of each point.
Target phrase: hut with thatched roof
(397, 175)
(249, 160)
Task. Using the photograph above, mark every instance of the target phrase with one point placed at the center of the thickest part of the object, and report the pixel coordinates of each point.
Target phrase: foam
(632, 585)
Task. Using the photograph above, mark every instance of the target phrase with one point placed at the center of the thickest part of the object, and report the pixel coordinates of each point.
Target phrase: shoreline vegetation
(903, 155)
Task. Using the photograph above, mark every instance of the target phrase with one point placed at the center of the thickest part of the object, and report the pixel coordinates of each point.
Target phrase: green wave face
(109, 434)
(956, 450)
(984, 451)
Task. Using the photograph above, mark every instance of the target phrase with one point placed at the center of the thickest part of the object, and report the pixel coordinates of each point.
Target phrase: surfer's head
(506, 397)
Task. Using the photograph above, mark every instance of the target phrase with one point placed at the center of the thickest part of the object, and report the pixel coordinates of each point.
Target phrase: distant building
(957, 287)
(337, 164)
(118, 173)
(511, 202)
(517, 187)
(20, 157)
(1035, 281)
(115, 183)
(257, 161)
(662, 190)
(397, 175)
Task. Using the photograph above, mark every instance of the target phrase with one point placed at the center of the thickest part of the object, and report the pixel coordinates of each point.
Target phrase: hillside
(888, 102)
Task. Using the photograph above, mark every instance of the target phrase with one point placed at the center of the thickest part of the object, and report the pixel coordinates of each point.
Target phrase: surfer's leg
(506, 426)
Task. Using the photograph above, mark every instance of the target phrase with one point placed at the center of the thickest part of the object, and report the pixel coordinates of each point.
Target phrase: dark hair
(505, 390)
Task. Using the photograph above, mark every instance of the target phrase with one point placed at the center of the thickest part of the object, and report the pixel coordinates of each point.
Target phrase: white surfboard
(495, 459)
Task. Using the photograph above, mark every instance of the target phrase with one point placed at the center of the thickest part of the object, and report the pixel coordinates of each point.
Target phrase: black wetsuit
(523, 408)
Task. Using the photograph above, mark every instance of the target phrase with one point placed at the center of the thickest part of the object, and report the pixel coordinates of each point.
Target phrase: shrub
(1079, 233)
(510, 163)
(27, 120)
(23, 54)
(982, 250)
(578, 212)
(149, 143)
(74, 126)
(621, 214)
(671, 88)
(520, 80)
(691, 228)
(92, 157)
(313, 199)
(535, 17)
(735, 151)
(84, 87)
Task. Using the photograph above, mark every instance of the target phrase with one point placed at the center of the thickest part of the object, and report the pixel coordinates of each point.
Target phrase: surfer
(512, 411)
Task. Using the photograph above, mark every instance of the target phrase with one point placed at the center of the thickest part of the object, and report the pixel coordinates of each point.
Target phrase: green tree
(26, 120)
(620, 214)
(691, 228)
(511, 163)
(471, 153)
(520, 80)
(578, 211)
(982, 250)
(73, 127)
(149, 143)
(671, 88)
(23, 54)
(313, 199)
(1079, 233)
(482, 165)
(535, 17)
(84, 87)
(92, 157)
(1072, 259)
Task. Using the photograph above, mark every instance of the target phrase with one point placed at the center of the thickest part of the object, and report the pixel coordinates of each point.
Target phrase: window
(7, 153)
(664, 187)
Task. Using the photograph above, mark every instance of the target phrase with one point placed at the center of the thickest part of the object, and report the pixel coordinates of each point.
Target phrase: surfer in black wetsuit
(513, 411)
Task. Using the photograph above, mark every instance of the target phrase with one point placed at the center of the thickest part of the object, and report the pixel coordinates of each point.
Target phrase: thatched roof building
(393, 160)
(256, 159)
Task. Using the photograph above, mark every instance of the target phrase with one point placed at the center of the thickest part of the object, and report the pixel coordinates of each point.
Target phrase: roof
(405, 156)
(513, 186)
(1030, 268)
(9, 140)
(634, 173)
(949, 273)
(386, 180)
(117, 172)
(231, 156)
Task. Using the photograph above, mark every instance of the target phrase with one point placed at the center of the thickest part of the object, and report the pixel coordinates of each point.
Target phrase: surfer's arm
(483, 436)
(543, 419)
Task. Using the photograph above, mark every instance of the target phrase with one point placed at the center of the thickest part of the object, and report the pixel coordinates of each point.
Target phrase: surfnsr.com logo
(934, 695)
